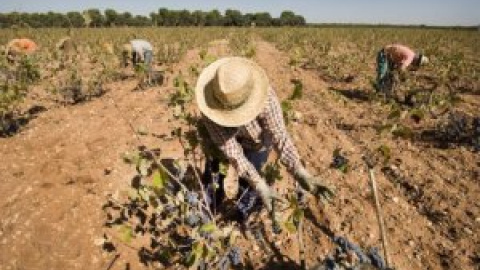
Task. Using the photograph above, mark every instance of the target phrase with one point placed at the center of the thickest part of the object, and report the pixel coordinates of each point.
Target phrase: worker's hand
(314, 185)
(268, 195)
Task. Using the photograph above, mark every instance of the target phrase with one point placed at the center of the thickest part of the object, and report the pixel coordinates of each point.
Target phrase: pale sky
(429, 12)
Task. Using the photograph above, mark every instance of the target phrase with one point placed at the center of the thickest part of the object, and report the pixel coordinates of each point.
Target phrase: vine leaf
(159, 179)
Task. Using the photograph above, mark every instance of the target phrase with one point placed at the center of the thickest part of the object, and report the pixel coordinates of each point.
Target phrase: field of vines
(103, 166)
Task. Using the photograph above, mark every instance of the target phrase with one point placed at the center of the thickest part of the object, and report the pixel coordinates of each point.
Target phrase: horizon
(427, 12)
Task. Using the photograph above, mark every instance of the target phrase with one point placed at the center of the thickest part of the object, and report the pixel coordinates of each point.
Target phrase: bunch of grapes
(192, 198)
(247, 203)
(192, 220)
(345, 246)
(455, 128)
(370, 259)
(339, 161)
(235, 256)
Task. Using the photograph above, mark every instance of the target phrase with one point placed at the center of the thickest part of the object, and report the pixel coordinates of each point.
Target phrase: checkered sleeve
(274, 126)
(224, 138)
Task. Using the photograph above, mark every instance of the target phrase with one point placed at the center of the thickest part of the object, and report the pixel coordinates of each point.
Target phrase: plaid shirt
(266, 129)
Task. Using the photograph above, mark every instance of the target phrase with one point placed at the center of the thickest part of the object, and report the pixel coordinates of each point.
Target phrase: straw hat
(232, 91)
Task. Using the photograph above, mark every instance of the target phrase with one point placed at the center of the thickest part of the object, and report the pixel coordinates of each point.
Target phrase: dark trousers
(211, 176)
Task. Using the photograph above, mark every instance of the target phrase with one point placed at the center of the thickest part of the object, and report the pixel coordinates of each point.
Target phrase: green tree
(125, 18)
(199, 18)
(75, 19)
(111, 17)
(185, 18)
(263, 19)
(213, 18)
(97, 19)
(233, 18)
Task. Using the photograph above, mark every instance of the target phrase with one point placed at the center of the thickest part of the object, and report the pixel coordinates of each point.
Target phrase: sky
(429, 12)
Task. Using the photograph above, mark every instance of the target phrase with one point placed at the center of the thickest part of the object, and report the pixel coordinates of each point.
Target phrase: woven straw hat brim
(245, 113)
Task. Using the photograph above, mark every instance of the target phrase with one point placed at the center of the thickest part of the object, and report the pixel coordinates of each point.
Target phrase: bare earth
(56, 173)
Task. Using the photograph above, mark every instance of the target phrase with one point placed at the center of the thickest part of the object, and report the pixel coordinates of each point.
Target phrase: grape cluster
(344, 246)
(247, 203)
(235, 256)
(192, 220)
(339, 161)
(455, 128)
(370, 258)
(192, 198)
(375, 258)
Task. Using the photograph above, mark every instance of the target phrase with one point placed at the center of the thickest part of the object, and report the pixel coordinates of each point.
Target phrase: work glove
(268, 195)
(313, 184)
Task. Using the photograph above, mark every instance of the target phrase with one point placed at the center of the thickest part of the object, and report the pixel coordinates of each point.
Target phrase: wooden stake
(379, 216)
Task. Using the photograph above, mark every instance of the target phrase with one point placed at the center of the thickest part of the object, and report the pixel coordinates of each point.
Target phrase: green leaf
(343, 168)
(126, 233)
(297, 90)
(190, 259)
(395, 114)
(385, 152)
(209, 59)
(291, 228)
(223, 168)
(402, 132)
(198, 251)
(160, 178)
(297, 216)
(208, 228)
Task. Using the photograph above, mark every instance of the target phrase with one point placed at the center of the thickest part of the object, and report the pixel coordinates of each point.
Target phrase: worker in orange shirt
(18, 47)
(396, 57)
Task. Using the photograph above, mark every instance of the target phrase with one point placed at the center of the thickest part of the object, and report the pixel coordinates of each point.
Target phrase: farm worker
(138, 50)
(243, 117)
(18, 47)
(396, 57)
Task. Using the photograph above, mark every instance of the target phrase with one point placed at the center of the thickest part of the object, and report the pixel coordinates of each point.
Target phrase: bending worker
(19, 47)
(243, 117)
(396, 57)
(138, 51)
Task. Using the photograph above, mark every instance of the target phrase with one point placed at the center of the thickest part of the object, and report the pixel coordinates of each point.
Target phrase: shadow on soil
(353, 94)
(11, 124)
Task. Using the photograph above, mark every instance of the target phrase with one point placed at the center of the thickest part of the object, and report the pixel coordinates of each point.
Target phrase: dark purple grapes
(376, 259)
(456, 128)
(346, 246)
(247, 203)
(192, 198)
(192, 220)
(235, 256)
(339, 161)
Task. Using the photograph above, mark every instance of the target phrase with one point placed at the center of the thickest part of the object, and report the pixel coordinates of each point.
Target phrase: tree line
(163, 17)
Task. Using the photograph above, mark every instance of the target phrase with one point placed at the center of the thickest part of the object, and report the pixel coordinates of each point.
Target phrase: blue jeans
(148, 59)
